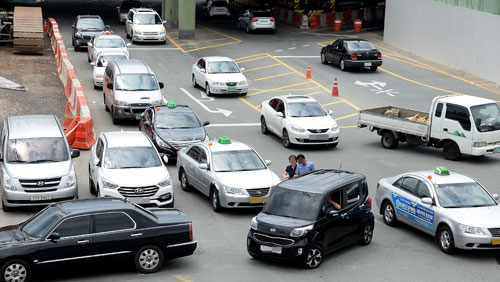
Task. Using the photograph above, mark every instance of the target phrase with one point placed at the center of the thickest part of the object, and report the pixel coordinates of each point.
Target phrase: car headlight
(232, 190)
(218, 83)
(254, 224)
(108, 185)
(479, 144)
(121, 103)
(71, 179)
(301, 231)
(157, 103)
(335, 127)
(165, 182)
(162, 32)
(138, 32)
(297, 129)
(98, 75)
(471, 229)
(244, 82)
(161, 143)
(8, 183)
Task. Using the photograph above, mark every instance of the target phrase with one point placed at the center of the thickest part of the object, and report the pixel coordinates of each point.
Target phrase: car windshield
(90, 24)
(167, 120)
(136, 82)
(147, 19)
(37, 150)
(463, 195)
(293, 204)
(242, 160)
(306, 109)
(109, 43)
(219, 3)
(131, 157)
(42, 222)
(223, 67)
(105, 59)
(359, 45)
(486, 117)
(262, 15)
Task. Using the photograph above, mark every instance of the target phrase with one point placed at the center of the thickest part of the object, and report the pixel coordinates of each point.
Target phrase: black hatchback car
(85, 28)
(172, 127)
(313, 215)
(352, 53)
(94, 230)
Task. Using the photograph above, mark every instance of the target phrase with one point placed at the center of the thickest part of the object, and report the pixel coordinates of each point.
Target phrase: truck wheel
(451, 151)
(388, 140)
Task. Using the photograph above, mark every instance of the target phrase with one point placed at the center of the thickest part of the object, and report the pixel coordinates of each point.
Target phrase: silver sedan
(231, 173)
(454, 208)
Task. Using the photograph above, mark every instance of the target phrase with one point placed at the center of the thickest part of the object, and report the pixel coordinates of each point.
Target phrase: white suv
(144, 24)
(127, 165)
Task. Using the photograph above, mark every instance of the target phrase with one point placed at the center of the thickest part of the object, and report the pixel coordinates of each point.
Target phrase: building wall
(459, 37)
(489, 6)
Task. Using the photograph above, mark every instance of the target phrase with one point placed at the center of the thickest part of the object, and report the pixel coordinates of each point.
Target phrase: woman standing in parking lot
(290, 170)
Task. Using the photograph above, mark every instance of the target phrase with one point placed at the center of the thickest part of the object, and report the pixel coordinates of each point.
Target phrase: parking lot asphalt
(275, 64)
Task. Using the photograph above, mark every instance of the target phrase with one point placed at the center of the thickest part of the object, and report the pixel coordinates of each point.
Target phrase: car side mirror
(427, 201)
(129, 44)
(205, 123)
(330, 112)
(333, 213)
(163, 22)
(54, 236)
(162, 85)
(109, 85)
(268, 162)
(203, 166)
(165, 159)
(280, 114)
(242, 69)
(75, 153)
(203, 71)
(495, 196)
(92, 64)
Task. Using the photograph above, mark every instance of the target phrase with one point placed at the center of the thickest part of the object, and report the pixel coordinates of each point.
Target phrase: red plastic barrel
(357, 25)
(337, 25)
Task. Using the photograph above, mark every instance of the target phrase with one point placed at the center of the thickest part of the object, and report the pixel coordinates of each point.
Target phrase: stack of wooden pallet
(28, 30)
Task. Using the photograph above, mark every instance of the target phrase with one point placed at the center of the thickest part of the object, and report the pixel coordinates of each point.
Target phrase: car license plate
(368, 64)
(232, 89)
(139, 200)
(138, 116)
(495, 242)
(263, 21)
(256, 200)
(497, 150)
(274, 250)
(318, 137)
(41, 197)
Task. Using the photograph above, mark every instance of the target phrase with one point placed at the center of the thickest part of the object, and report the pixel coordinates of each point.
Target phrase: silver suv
(144, 24)
(37, 165)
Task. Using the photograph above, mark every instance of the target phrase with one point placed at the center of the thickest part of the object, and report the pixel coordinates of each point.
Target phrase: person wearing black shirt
(290, 170)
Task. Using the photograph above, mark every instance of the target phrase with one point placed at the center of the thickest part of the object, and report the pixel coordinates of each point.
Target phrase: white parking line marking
(233, 124)
(284, 57)
(279, 50)
(291, 48)
(218, 111)
(305, 45)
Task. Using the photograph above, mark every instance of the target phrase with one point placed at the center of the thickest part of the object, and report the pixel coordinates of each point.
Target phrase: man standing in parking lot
(303, 166)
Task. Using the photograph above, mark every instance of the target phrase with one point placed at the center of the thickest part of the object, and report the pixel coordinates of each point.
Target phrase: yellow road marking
(236, 40)
(346, 116)
(314, 93)
(249, 104)
(348, 126)
(215, 31)
(175, 43)
(419, 83)
(260, 54)
(332, 103)
(203, 41)
(272, 76)
(259, 68)
(212, 46)
(182, 278)
(278, 88)
(253, 59)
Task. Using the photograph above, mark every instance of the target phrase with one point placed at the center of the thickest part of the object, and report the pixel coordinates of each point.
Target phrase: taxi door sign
(413, 211)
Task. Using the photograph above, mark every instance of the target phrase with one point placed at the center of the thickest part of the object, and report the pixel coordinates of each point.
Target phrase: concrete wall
(490, 6)
(459, 37)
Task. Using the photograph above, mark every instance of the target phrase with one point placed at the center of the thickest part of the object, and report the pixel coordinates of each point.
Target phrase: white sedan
(219, 75)
(100, 64)
(299, 120)
(106, 43)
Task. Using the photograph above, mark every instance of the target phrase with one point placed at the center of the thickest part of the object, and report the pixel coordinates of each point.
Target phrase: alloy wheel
(15, 272)
(149, 259)
(314, 257)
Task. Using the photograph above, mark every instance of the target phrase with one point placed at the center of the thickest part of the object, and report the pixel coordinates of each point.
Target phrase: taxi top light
(224, 140)
(158, 109)
(107, 32)
(171, 104)
(441, 170)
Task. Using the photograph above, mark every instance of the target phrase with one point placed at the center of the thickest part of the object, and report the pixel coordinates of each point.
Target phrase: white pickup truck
(458, 124)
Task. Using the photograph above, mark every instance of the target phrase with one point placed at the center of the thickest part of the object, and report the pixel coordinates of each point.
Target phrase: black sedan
(85, 28)
(172, 127)
(91, 230)
(352, 53)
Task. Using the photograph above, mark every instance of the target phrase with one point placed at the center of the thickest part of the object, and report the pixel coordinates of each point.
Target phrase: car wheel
(148, 259)
(91, 185)
(243, 94)
(105, 106)
(263, 126)
(132, 38)
(389, 214)
(193, 79)
(286, 139)
(126, 33)
(98, 192)
(374, 68)
(96, 87)
(272, 31)
(247, 29)
(342, 65)
(113, 116)
(88, 57)
(73, 42)
(388, 140)
(333, 145)
(15, 270)
(445, 240)
(184, 181)
(314, 257)
(451, 151)
(5, 208)
(214, 200)
(367, 235)
(323, 59)
(207, 90)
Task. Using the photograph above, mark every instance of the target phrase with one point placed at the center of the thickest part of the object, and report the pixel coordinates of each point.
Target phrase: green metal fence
(488, 6)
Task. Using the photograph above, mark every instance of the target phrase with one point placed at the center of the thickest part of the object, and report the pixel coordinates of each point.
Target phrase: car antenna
(340, 166)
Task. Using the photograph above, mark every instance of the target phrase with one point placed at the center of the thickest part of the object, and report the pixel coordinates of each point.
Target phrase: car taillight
(254, 20)
(273, 20)
(378, 185)
(191, 230)
(370, 202)
(380, 56)
(353, 57)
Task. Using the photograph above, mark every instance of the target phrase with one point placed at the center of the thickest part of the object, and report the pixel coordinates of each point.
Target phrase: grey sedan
(453, 207)
(253, 20)
(231, 173)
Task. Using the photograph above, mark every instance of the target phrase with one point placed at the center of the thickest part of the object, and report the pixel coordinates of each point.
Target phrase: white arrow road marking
(377, 87)
(218, 111)
(205, 97)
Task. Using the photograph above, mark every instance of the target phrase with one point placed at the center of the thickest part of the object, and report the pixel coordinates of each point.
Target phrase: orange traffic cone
(335, 89)
(308, 74)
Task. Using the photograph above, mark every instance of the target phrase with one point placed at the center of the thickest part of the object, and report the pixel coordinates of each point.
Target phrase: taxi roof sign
(224, 140)
(171, 104)
(441, 170)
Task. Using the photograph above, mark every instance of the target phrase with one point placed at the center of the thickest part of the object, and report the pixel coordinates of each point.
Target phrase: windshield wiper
(41, 161)
(131, 167)
(16, 161)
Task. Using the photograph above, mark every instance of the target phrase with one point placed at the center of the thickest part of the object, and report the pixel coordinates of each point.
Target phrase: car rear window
(262, 14)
